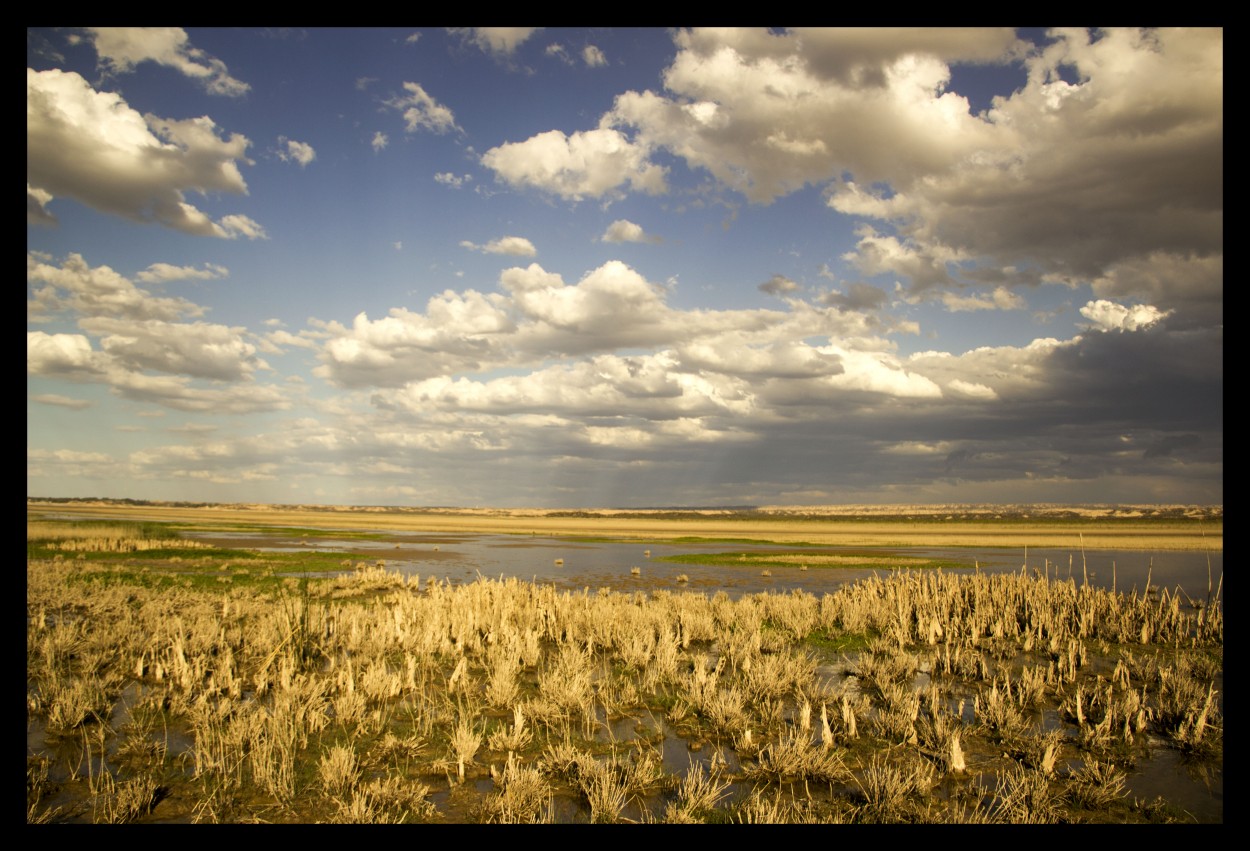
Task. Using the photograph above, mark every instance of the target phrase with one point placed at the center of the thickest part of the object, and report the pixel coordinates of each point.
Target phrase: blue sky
(640, 267)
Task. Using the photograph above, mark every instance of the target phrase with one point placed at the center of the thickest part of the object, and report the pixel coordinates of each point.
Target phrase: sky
(536, 267)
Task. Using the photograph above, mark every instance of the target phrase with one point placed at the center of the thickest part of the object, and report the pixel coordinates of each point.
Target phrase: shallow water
(594, 565)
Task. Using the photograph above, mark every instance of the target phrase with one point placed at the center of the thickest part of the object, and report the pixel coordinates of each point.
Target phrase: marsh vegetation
(172, 681)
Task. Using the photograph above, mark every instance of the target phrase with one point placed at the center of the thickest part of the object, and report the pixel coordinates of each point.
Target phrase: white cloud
(878, 372)
(922, 266)
(1001, 299)
(778, 285)
(300, 152)
(181, 393)
(166, 272)
(1109, 316)
(379, 141)
(1076, 179)
(766, 114)
(623, 230)
(448, 179)
(137, 334)
(195, 349)
(517, 246)
(37, 206)
(93, 147)
(61, 401)
(856, 297)
(1168, 280)
(66, 355)
(591, 163)
(971, 390)
(68, 456)
(538, 316)
(557, 51)
(77, 287)
(286, 338)
(122, 48)
(593, 56)
(421, 112)
(498, 41)
(234, 226)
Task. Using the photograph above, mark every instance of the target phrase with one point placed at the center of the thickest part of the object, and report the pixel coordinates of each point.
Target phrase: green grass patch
(285, 531)
(762, 542)
(830, 645)
(205, 570)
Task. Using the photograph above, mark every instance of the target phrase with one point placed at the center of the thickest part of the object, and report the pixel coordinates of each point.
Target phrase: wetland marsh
(197, 667)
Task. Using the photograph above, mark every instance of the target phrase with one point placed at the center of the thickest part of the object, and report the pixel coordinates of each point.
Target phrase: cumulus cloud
(593, 56)
(766, 114)
(421, 112)
(623, 230)
(37, 206)
(497, 41)
(1076, 179)
(971, 390)
(91, 146)
(1109, 154)
(923, 267)
(196, 349)
(183, 394)
(592, 163)
(778, 285)
(167, 272)
(858, 296)
(64, 355)
(234, 226)
(1109, 316)
(517, 246)
(139, 344)
(537, 315)
(74, 286)
(1000, 299)
(61, 401)
(379, 141)
(448, 179)
(286, 338)
(557, 51)
(291, 151)
(122, 48)
(1171, 281)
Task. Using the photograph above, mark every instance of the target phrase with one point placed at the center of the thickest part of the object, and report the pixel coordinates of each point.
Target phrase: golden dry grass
(839, 530)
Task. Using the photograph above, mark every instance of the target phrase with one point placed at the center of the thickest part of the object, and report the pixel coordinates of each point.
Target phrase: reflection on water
(462, 558)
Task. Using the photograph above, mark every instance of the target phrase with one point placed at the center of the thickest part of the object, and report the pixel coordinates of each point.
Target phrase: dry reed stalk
(848, 718)
(793, 756)
(826, 733)
(466, 738)
(515, 739)
(338, 770)
(605, 790)
(1096, 786)
(1024, 797)
(524, 796)
(698, 793)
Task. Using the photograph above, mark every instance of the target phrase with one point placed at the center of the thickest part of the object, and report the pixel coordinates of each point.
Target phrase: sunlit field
(169, 680)
(905, 526)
